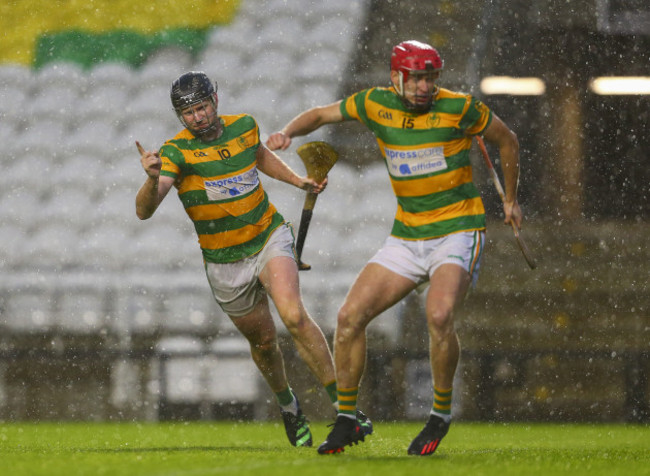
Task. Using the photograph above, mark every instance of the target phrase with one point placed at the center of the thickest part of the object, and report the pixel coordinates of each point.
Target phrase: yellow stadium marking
(23, 22)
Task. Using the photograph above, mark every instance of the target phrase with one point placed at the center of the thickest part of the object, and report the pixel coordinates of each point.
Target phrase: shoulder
(444, 93)
(239, 119)
(173, 147)
(383, 96)
(454, 102)
(452, 97)
(379, 93)
(374, 92)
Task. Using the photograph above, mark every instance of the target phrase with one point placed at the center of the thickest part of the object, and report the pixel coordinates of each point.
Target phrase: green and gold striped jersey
(427, 157)
(219, 187)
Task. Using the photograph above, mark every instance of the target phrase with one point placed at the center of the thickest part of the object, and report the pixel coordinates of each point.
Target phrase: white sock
(351, 417)
(292, 407)
(444, 416)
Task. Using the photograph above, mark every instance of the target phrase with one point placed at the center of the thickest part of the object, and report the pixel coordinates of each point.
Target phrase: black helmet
(192, 88)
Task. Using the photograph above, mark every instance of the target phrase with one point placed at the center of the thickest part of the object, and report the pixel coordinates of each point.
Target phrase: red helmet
(414, 56)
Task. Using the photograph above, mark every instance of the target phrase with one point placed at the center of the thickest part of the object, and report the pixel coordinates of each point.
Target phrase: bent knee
(295, 320)
(350, 322)
(441, 321)
(264, 345)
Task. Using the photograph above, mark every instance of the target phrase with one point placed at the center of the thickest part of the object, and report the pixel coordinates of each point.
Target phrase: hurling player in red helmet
(424, 133)
(421, 64)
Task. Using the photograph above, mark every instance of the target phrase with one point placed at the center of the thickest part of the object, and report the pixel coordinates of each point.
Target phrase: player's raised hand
(150, 161)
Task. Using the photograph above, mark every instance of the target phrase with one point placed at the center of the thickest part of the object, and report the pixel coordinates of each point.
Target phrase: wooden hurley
(319, 157)
(497, 184)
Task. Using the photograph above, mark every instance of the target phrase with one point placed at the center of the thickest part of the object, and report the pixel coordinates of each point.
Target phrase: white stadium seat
(82, 172)
(61, 73)
(52, 248)
(66, 206)
(282, 33)
(150, 102)
(137, 309)
(101, 247)
(182, 375)
(151, 132)
(231, 373)
(28, 309)
(12, 248)
(44, 137)
(8, 130)
(110, 74)
(14, 77)
(13, 103)
(20, 203)
(105, 101)
(162, 68)
(275, 66)
(82, 310)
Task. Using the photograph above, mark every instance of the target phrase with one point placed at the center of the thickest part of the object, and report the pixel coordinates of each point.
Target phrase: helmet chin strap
(401, 84)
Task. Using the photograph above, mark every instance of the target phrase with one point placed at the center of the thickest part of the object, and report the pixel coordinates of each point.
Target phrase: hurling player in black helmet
(424, 133)
(195, 102)
(247, 246)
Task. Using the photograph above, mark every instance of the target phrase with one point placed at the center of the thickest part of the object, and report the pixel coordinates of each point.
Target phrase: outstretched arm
(155, 188)
(273, 166)
(304, 123)
(499, 134)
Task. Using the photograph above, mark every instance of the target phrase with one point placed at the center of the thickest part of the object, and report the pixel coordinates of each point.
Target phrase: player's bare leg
(280, 278)
(375, 290)
(449, 284)
(258, 328)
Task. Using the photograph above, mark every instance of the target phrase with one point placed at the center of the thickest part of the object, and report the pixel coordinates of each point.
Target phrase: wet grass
(260, 449)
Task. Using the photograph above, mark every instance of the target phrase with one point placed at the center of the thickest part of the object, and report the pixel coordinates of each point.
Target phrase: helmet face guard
(189, 90)
(410, 57)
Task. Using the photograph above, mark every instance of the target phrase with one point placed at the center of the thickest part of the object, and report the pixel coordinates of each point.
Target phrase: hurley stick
(497, 184)
(318, 157)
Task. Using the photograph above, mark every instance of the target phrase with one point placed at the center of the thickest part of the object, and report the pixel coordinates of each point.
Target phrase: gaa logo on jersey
(241, 142)
(433, 120)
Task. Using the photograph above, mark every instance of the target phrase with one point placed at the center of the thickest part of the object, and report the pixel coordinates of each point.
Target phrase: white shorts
(235, 285)
(418, 260)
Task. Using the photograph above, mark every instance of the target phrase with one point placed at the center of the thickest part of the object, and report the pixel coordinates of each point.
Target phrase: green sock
(348, 401)
(330, 388)
(285, 397)
(442, 403)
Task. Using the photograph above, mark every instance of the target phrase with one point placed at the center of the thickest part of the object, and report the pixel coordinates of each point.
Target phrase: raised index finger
(140, 148)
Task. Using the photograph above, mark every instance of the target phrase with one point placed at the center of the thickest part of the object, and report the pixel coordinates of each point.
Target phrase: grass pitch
(261, 449)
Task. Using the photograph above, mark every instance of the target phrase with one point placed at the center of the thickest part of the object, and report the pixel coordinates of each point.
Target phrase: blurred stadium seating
(77, 263)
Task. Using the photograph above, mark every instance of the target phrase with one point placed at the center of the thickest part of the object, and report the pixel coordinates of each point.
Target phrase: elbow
(509, 145)
(143, 214)
(515, 141)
